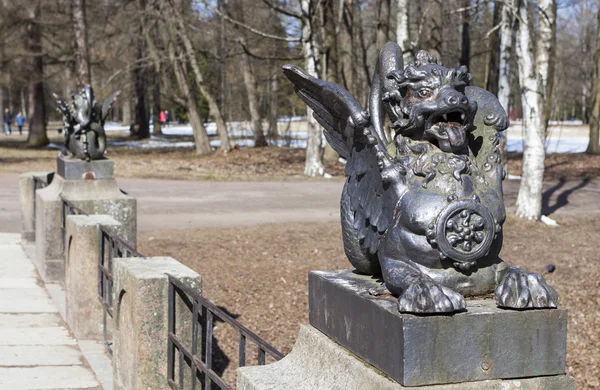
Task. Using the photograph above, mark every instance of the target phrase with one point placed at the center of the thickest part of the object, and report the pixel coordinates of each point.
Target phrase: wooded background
(220, 60)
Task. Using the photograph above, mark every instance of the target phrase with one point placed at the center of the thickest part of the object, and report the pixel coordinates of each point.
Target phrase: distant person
(7, 121)
(167, 117)
(162, 118)
(20, 121)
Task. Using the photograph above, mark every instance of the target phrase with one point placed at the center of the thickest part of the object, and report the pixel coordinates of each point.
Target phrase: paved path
(177, 204)
(36, 348)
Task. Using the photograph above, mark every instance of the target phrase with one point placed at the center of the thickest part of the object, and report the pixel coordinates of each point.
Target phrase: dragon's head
(430, 103)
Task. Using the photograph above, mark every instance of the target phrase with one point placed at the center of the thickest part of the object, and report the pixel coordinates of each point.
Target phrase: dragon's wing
(375, 181)
(334, 108)
(107, 104)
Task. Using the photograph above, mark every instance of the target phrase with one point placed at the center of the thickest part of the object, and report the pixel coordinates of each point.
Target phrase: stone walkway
(36, 349)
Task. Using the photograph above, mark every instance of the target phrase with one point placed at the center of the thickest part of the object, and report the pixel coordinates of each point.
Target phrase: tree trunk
(273, 106)
(403, 31)
(37, 108)
(82, 57)
(465, 47)
(383, 22)
(533, 77)
(213, 107)
(201, 139)
(23, 105)
(491, 83)
(140, 79)
(506, 41)
(594, 145)
(313, 165)
(126, 111)
(250, 83)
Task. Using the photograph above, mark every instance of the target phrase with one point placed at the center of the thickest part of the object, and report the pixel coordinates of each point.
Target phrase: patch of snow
(548, 221)
(327, 175)
(513, 177)
(553, 145)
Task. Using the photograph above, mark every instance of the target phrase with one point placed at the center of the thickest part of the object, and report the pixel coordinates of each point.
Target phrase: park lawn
(259, 275)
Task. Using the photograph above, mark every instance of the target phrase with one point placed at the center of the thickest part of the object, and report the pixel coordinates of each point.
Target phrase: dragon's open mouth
(447, 131)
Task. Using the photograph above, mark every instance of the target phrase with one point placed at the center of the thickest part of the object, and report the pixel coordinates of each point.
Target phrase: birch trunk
(533, 76)
(402, 30)
(506, 41)
(82, 57)
(37, 108)
(313, 165)
(594, 145)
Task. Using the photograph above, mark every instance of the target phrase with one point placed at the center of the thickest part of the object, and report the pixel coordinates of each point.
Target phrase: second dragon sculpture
(425, 208)
(84, 124)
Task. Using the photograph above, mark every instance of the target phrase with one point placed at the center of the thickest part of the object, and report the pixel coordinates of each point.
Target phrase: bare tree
(37, 107)
(507, 34)
(534, 65)
(403, 31)
(313, 165)
(594, 144)
(82, 57)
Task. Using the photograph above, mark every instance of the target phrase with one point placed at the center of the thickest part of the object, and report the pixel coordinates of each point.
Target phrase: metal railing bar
(120, 242)
(194, 341)
(198, 363)
(208, 350)
(242, 356)
(181, 366)
(171, 328)
(226, 318)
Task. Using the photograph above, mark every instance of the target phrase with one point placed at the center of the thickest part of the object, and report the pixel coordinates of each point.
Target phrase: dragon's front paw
(521, 289)
(426, 296)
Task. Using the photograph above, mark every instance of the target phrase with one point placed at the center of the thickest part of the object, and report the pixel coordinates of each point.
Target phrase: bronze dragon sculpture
(424, 209)
(84, 123)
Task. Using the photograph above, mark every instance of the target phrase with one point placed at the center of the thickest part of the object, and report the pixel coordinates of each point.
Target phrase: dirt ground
(259, 275)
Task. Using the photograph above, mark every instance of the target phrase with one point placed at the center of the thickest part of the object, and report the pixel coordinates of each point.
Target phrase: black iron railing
(111, 247)
(68, 208)
(198, 359)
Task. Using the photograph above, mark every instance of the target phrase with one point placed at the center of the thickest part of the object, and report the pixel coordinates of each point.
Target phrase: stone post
(90, 186)
(84, 310)
(357, 340)
(27, 198)
(140, 332)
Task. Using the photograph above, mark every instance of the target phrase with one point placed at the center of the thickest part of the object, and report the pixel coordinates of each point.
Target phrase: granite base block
(316, 362)
(482, 343)
(75, 169)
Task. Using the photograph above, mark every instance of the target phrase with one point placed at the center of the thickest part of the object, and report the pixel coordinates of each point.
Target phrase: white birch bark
(506, 41)
(533, 76)
(402, 31)
(313, 165)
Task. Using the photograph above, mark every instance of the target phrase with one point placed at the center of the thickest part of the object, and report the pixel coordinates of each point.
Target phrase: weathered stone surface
(484, 342)
(84, 310)
(27, 200)
(316, 362)
(76, 169)
(141, 322)
(101, 196)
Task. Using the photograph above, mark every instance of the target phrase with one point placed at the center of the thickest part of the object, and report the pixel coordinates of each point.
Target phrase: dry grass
(259, 274)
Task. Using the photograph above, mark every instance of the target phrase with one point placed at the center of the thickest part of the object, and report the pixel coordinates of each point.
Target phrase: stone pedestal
(141, 321)
(94, 192)
(83, 308)
(27, 200)
(358, 340)
(316, 362)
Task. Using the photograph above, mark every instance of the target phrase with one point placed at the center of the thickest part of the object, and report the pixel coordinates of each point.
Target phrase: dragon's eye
(424, 92)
